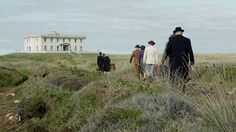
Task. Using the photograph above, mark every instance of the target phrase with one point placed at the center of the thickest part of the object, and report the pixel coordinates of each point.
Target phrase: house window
(75, 48)
(30, 48)
(75, 40)
(81, 48)
(51, 39)
(57, 39)
(45, 39)
(57, 48)
(69, 39)
(45, 48)
(63, 39)
(37, 48)
(81, 40)
(51, 48)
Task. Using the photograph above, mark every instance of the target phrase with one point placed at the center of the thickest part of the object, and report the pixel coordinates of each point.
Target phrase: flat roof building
(54, 42)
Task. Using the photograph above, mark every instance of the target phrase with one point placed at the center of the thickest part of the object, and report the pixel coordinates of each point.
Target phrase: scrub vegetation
(64, 92)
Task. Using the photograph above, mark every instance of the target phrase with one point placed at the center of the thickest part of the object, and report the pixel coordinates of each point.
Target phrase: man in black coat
(180, 51)
(100, 61)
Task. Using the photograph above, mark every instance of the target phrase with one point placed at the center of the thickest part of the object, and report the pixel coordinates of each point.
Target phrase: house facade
(54, 42)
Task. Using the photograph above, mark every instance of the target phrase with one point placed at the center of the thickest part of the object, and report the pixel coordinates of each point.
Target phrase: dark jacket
(180, 51)
(107, 63)
(100, 60)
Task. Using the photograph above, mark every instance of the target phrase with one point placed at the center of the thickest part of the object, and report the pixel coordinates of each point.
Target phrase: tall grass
(211, 100)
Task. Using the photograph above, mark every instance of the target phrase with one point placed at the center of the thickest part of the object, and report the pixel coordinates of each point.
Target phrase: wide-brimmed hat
(151, 42)
(178, 29)
(137, 46)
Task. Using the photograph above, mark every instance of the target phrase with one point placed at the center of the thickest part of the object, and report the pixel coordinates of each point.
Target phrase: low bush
(33, 107)
(11, 77)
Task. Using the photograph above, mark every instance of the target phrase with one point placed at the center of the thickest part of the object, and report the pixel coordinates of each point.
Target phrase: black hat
(137, 46)
(142, 47)
(178, 29)
(151, 42)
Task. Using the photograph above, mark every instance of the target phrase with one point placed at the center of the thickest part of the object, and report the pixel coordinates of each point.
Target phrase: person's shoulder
(172, 39)
(186, 38)
(147, 48)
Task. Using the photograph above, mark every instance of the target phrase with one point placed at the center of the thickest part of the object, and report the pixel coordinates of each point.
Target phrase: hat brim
(178, 31)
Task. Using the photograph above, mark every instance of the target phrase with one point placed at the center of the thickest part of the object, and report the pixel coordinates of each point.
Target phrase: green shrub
(11, 77)
(34, 107)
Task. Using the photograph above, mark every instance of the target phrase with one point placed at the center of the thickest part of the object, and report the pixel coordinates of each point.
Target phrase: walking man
(180, 51)
(135, 59)
(100, 62)
(141, 64)
(150, 59)
(164, 67)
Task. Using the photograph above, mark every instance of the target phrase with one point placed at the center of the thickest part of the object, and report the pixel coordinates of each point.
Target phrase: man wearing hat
(135, 59)
(150, 59)
(100, 61)
(180, 51)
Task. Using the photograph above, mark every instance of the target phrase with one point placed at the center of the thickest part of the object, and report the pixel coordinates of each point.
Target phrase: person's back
(141, 54)
(107, 63)
(150, 59)
(150, 55)
(141, 64)
(135, 59)
(179, 51)
(100, 61)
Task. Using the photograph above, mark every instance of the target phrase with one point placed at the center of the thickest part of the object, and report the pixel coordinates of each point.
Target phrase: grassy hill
(64, 92)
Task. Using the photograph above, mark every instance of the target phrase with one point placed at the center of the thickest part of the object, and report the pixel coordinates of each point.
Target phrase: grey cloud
(121, 22)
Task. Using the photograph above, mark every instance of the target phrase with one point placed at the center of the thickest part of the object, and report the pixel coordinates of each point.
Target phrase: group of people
(178, 56)
(145, 60)
(103, 62)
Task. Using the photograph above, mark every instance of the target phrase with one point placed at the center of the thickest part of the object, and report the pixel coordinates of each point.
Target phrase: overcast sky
(117, 25)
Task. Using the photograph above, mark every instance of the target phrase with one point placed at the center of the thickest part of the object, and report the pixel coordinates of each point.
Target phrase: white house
(54, 42)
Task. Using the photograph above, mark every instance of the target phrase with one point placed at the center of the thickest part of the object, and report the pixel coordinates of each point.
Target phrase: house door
(66, 48)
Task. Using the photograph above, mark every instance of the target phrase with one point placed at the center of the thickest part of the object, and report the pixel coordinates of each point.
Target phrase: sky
(116, 26)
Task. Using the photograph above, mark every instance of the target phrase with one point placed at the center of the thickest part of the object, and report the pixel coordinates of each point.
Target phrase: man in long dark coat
(180, 51)
(100, 61)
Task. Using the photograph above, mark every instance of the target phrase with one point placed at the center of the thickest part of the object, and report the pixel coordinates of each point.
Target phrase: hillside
(64, 92)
